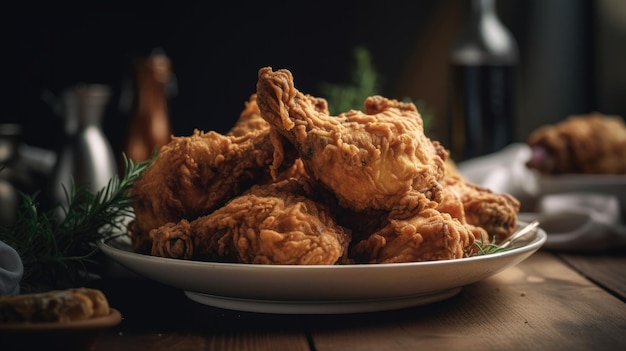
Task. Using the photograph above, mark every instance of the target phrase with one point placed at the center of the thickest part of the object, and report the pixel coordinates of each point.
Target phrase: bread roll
(54, 306)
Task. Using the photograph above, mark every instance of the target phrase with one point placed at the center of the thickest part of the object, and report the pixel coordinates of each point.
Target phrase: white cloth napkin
(574, 220)
(11, 270)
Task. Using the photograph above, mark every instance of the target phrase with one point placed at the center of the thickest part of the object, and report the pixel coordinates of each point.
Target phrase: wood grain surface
(547, 302)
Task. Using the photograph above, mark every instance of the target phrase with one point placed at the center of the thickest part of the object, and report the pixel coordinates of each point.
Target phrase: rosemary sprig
(490, 248)
(54, 249)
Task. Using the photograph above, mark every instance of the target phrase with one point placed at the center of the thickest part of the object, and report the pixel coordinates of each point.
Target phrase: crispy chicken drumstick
(376, 160)
(277, 223)
(428, 236)
(194, 175)
(494, 213)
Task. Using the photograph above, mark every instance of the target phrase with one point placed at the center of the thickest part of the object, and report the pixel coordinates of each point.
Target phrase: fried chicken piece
(175, 240)
(400, 240)
(194, 175)
(584, 144)
(481, 207)
(297, 170)
(379, 159)
(250, 120)
(428, 236)
(277, 223)
(453, 205)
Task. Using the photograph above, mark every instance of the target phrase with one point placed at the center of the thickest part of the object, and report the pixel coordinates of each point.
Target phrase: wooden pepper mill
(149, 127)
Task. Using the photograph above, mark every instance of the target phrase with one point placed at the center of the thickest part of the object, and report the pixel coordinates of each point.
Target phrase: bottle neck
(84, 106)
(484, 7)
(484, 40)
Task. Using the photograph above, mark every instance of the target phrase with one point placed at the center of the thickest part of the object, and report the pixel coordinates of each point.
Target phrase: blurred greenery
(350, 96)
(58, 248)
(365, 81)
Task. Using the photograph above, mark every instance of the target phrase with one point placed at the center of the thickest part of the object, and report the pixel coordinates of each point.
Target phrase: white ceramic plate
(318, 289)
(588, 182)
(585, 183)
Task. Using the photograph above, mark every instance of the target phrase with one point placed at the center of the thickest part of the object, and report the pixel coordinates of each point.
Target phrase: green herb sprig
(56, 249)
(490, 248)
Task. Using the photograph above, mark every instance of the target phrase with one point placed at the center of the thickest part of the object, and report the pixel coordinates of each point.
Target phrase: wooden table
(551, 301)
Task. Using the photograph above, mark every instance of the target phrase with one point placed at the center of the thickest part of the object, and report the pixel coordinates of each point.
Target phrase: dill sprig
(57, 245)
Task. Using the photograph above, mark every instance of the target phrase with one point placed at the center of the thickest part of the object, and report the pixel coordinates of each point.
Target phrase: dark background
(571, 53)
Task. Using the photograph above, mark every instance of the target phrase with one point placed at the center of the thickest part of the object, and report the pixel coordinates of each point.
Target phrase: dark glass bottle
(483, 63)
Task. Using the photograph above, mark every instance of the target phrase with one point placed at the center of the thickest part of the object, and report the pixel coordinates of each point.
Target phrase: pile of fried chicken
(291, 184)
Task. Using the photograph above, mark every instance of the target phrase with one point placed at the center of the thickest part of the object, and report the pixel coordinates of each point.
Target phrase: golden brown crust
(195, 175)
(429, 236)
(365, 187)
(250, 120)
(492, 212)
(277, 223)
(379, 159)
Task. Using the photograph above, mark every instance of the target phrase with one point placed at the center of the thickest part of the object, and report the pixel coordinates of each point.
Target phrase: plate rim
(537, 242)
(228, 285)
